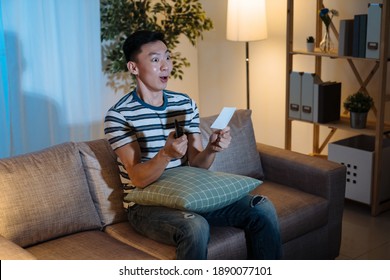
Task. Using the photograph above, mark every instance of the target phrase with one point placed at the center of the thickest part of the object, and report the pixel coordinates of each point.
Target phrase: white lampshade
(246, 20)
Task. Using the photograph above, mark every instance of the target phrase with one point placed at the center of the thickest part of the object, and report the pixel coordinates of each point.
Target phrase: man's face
(152, 66)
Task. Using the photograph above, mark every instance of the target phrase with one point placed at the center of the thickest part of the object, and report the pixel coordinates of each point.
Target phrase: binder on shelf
(295, 95)
(363, 35)
(374, 19)
(359, 35)
(355, 41)
(345, 37)
(307, 90)
(326, 102)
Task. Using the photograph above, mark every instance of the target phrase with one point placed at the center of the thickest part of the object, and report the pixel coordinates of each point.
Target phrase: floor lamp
(246, 21)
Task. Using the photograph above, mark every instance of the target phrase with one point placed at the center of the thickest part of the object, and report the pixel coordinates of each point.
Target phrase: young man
(140, 129)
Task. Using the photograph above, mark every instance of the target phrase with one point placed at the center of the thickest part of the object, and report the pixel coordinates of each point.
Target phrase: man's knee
(195, 227)
(263, 213)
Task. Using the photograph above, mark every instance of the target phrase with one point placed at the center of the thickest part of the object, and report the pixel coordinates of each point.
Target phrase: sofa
(65, 202)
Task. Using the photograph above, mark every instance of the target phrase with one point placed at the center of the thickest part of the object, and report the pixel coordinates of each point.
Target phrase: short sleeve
(117, 130)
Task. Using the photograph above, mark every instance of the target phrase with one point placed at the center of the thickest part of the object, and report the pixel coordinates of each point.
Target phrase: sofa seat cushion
(225, 242)
(87, 245)
(45, 195)
(298, 212)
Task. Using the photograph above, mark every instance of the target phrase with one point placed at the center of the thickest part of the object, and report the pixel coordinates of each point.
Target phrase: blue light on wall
(5, 123)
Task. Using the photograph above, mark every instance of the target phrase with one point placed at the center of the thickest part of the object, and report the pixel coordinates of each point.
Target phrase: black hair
(133, 43)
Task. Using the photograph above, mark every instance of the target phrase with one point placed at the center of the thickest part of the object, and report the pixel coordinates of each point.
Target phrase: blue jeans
(190, 232)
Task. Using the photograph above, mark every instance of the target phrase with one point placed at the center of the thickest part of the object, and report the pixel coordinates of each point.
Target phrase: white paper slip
(224, 118)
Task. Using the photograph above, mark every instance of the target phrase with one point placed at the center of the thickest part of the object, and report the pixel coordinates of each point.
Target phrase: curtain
(50, 59)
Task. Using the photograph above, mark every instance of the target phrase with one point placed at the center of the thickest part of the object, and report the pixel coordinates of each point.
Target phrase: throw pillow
(194, 189)
(241, 157)
(45, 195)
(100, 166)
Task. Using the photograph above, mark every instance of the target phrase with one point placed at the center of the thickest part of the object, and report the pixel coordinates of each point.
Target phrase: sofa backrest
(45, 195)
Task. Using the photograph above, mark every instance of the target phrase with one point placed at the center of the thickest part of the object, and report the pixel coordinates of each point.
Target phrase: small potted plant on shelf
(358, 104)
(310, 43)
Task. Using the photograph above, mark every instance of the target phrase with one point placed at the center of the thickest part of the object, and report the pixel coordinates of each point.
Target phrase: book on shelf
(326, 102)
(359, 35)
(345, 37)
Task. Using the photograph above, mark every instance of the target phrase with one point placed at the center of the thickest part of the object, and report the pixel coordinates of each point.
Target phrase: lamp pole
(246, 22)
(247, 75)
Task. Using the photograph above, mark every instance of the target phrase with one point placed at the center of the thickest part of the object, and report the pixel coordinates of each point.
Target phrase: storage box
(357, 154)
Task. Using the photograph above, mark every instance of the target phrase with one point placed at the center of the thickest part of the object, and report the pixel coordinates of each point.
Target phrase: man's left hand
(220, 139)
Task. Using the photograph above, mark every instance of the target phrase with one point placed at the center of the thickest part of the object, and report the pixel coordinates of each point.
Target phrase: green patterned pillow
(194, 189)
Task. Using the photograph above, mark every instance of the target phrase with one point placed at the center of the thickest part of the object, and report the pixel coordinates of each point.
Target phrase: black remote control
(178, 130)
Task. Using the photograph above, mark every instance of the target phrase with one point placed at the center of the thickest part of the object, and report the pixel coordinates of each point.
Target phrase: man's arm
(203, 158)
(144, 173)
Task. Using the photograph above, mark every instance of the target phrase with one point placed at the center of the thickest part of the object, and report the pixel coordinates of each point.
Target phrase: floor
(364, 237)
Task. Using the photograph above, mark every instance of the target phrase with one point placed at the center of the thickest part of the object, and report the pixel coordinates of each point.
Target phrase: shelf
(317, 52)
(344, 124)
(378, 128)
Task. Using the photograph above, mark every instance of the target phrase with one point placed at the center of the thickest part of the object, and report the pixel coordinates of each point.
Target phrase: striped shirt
(131, 119)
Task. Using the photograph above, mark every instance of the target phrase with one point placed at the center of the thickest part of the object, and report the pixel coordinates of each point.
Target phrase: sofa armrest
(307, 173)
(12, 251)
(312, 175)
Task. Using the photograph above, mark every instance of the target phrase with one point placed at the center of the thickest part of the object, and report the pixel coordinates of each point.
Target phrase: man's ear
(132, 66)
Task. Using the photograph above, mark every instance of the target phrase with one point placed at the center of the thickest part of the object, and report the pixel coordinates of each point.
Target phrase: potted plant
(358, 104)
(310, 43)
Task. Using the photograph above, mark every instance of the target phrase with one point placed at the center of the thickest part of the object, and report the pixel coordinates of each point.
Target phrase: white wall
(222, 71)
(222, 68)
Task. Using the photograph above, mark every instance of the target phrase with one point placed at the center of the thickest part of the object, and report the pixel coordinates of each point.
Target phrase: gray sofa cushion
(99, 162)
(47, 196)
(241, 157)
(298, 212)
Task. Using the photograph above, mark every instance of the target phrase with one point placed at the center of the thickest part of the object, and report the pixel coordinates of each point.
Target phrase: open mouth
(164, 79)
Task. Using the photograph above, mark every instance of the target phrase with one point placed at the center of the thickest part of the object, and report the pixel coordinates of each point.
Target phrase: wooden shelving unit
(379, 128)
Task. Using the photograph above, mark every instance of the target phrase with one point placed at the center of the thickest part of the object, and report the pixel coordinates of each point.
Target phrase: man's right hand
(176, 147)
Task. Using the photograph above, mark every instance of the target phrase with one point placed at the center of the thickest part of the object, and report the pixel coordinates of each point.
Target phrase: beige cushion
(11, 251)
(87, 245)
(225, 242)
(241, 157)
(102, 172)
(45, 195)
(126, 234)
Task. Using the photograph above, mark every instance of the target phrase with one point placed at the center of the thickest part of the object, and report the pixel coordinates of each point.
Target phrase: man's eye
(155, 59)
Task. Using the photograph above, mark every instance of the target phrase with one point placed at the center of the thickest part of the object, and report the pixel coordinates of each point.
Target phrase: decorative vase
(326, 45)
(358, 120)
